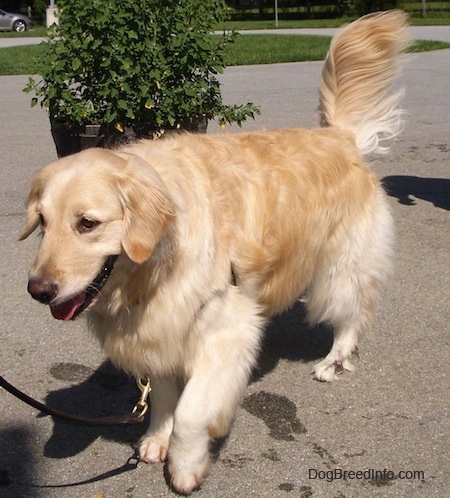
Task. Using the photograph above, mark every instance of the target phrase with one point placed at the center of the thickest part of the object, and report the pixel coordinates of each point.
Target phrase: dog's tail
(362, 63)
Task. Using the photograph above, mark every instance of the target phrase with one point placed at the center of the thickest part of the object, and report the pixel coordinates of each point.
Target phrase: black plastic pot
(70, 139)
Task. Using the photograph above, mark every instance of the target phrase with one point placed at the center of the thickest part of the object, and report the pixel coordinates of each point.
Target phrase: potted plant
(122, 69)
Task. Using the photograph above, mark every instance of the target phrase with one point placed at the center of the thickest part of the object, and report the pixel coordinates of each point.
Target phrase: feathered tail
(360, 68)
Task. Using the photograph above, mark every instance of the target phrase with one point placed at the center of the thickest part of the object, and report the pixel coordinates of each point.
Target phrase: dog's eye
(87, 224)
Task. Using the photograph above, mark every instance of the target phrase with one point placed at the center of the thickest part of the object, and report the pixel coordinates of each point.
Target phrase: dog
(181, 249)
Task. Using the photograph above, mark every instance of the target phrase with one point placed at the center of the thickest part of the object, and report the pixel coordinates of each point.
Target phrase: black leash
(136, 417)
(130, 464)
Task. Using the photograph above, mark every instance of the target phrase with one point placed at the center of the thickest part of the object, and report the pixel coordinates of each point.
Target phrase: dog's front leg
(227, 343)
(154, 445)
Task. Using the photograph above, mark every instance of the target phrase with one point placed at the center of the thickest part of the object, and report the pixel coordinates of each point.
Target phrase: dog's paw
(153, 449)
(329, 369)
(186, 478)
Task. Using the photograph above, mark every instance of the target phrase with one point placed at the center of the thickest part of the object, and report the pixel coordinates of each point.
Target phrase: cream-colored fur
(289, 212)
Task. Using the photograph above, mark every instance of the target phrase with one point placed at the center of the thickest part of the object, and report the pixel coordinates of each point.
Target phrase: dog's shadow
(434, 190)
(107, 391)
(289, 337)
(93, 394)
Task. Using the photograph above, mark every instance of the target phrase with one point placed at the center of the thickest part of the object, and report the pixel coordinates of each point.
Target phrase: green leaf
(76, 63)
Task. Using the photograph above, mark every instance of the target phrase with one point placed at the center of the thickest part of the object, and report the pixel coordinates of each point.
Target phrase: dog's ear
(148, 209)
(34, 196)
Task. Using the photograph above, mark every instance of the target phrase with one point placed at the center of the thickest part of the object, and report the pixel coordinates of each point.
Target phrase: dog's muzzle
(46, 292)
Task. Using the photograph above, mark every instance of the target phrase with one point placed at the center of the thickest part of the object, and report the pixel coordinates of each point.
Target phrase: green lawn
(36, 31)
(248, 49)
(18, 60)
(269, 49)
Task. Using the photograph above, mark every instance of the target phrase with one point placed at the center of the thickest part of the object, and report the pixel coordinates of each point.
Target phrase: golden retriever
(181, 249)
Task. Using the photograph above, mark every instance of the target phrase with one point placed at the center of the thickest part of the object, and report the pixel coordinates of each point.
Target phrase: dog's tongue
(67, 309)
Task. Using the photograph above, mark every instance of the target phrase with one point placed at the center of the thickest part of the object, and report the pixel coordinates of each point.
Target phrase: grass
(248, 50)
(36, 31)
(269, 49)
(18, 60)
(427, 46)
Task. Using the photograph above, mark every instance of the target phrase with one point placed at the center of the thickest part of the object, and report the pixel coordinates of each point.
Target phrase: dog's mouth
(73, 307)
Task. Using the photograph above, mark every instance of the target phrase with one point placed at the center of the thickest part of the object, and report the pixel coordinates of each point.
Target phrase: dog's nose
(42, 290)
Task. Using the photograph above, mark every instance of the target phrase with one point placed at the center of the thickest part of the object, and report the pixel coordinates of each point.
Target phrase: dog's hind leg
(154, 445)
(346, 287)
(345, 342)
(226, 347)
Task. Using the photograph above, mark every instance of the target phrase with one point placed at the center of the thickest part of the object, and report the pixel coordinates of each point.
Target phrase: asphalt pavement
(385, 427)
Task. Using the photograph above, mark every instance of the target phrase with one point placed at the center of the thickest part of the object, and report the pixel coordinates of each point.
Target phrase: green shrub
(133, 64)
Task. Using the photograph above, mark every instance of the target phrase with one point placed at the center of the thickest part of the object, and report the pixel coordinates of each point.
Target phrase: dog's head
(91, 207)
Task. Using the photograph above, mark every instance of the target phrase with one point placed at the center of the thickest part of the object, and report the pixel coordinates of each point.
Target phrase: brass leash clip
(141, 407)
